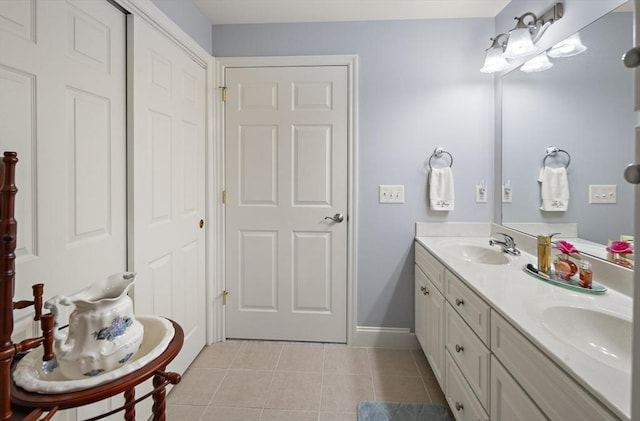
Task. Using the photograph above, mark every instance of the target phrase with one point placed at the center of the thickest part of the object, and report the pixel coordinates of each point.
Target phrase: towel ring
(437, 153)
(553, 151)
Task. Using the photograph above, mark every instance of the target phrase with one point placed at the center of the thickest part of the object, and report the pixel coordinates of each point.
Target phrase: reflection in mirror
(584, 106)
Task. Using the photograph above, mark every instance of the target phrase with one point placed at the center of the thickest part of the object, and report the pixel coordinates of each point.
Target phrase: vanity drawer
(471, 355)
(471, 307)
(557, 395)
(430, 266)
(463, 403)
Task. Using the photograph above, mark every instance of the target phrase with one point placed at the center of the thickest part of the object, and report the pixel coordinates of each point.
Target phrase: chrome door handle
(631, 58)
(336, 218)
(632, 173)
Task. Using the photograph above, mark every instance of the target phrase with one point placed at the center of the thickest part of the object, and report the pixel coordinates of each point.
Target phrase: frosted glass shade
(519, 44)
(568, 47)
(539, 63)
(494, 62)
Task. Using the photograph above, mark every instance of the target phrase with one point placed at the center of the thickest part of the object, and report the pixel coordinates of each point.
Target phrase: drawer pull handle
(424, 290)
(459, 406)
(459, 302)
(459, 348)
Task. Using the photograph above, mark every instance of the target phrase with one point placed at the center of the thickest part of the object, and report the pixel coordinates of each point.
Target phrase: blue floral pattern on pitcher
(117, 328)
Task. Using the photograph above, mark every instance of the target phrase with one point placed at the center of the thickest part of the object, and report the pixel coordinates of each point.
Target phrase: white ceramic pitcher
(103, 333)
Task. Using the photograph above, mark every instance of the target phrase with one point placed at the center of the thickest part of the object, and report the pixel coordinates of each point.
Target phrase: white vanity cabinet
(486, 367)
(430, 317)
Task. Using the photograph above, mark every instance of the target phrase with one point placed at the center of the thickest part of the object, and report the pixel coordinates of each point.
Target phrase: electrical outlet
(600, 194)
(391, 194)
(507, 194)
(481, 194)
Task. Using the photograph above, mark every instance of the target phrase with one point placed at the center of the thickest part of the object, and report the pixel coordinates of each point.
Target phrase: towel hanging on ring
(554, 189)
(441, 192)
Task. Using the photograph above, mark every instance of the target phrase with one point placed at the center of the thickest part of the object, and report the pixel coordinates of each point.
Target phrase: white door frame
(351, 61)
(149, 12)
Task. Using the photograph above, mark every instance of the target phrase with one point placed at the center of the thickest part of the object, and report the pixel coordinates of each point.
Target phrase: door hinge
(223, 93)
(224, 197)
(224, 297)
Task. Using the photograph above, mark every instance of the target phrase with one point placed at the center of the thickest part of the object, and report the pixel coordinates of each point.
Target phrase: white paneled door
(286, 176)
(63, 110)
(168, 185)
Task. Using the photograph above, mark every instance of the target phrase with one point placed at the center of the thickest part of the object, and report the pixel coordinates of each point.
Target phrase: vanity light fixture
(521, 40)
(494, 61)
(568, 47)
(539, 63)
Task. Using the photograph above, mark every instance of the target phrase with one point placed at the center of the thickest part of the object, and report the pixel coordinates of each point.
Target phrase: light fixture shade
(519, 44)
(494, 62)
(568, 47)
(539, 63)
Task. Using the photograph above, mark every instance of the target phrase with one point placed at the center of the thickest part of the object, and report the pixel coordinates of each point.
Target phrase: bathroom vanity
(507, 346)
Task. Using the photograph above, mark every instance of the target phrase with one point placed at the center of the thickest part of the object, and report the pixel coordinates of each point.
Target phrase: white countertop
(522, 299)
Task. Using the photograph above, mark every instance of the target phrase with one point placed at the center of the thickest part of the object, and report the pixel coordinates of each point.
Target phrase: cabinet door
(508, 401)
(420, 307)
(434, 325)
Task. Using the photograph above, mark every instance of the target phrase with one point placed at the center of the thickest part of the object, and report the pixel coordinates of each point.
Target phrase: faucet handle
(508, 239)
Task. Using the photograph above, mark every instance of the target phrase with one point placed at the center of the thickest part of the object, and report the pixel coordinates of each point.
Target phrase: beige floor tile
(347, 360)
(258, 355)
(400, 389)
(392, 362)
(295, 391)
(423, 365)
(435, 393)
(338, 416)
(303, 357)
(284, 415)
(342, 392)
(197, 387)
(218, 355)
(243, 388)
(184, 412)
(217, 413)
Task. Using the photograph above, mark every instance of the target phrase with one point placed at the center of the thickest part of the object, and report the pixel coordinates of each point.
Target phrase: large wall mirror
(584, 106)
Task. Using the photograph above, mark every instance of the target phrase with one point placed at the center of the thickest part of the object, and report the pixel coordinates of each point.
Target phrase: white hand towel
(441, 195)
(554, 189)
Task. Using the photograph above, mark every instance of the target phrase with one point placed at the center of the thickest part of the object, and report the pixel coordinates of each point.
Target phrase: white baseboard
(384, 337)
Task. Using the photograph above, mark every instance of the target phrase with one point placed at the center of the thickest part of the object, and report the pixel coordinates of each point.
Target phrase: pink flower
(566, 247)
(620, 247)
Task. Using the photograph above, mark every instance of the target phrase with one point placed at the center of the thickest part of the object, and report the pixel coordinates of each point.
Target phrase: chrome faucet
(508, 245)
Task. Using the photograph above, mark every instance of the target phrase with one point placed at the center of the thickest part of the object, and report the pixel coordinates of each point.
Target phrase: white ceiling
(277, 11)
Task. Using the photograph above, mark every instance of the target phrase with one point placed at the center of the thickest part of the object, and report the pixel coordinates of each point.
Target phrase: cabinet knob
(459, 302)
(424, 290)
(459, 348)
(459, 406)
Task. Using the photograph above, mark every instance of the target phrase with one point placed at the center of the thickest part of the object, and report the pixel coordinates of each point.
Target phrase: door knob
(632, 173)
(631, 58)
(336, 218)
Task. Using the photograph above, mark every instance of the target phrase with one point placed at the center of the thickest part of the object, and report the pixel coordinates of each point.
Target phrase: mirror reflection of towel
(441, 195)
(554, 189)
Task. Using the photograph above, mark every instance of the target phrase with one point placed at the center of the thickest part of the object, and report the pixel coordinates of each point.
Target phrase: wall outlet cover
(481, 194)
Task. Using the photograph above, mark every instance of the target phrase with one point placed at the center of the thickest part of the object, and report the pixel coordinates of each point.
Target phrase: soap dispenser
(544, 253)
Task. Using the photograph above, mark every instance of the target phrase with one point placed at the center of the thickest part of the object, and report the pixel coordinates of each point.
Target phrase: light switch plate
(391, 194)
(602, 194)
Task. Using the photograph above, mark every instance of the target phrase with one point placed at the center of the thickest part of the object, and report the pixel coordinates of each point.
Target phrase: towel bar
(437, 153)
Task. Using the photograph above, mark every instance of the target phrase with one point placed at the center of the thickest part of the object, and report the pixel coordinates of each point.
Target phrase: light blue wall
(419, 87)
(186, 15)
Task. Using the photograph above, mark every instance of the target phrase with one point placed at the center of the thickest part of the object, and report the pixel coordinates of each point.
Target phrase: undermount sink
(475, 253)
(604, 337)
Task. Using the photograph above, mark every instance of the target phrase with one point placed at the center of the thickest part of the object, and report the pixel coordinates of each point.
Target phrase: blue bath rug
(392, 411)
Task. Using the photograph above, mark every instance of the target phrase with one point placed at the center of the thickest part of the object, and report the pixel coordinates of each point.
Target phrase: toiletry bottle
(544, 253)
(586, 274)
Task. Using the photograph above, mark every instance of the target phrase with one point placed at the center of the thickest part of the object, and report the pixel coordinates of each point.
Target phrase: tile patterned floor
(276, 381)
